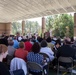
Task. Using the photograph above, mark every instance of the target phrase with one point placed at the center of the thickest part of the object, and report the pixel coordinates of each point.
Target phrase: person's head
(18, 33)
(48, 39)
(26, 37)
(39, 39)
(33, 37)
(15, 37)
(67, 40)
(10, 42)
(57, 44)
(36, 47)
(21, 45)
(3, 48)
(43, 43)
(58, 40)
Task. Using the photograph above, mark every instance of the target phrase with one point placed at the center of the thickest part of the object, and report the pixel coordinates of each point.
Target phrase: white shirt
(18, 63)
(47, 51)
(19, 38)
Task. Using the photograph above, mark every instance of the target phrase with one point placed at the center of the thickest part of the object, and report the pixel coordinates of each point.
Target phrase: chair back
(65, 59)
(44, 55)
(9, 58)
(18, 63)
(4, 48)
(17, 72)
(34, 66)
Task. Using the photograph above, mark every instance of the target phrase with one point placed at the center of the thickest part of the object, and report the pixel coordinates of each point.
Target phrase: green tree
(49, 23)
(16, 26)
(32, 26)
(62, 25)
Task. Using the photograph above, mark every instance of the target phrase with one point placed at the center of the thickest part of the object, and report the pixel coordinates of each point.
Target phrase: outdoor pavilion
(14, 10)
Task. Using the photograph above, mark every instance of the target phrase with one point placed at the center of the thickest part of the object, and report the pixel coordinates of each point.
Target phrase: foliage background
(61, 25)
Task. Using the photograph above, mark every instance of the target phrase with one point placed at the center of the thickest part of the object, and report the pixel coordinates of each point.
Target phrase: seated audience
(57, 45)
(66, 50)
(21, 53)
(11, 49)
(34, 56)
(46, 50)
(50, 45)
(19, 66)
(3, 68)
(4, 40)
(16, 43)
(72, 40)
(39, 39)
(73, 45)
(28, 45)
(24, 39)
(3, 52)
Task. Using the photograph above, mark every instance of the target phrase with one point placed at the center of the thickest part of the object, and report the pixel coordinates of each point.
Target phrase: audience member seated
(4, 40)
(46, 50)
(53, 41)
(73, 45)
(39, 39)
(66, 50)
(34, 56)
(21, 53)
(55, 49)
(3, 52)
(3, 67)
(24, 39)
(72, 40)
(16, 43)
(11, 49)
(33, 39)
(19, 38)
(28, 45)
(50, 45)
(17, 65)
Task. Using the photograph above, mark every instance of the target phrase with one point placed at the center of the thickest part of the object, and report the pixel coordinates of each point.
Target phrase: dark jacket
(3, 69)
(66, 51)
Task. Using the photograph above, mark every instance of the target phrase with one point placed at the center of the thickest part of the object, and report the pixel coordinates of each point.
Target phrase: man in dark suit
(66, 50)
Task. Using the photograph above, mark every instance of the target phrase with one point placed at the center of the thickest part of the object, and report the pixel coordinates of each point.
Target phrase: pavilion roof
(13, 10)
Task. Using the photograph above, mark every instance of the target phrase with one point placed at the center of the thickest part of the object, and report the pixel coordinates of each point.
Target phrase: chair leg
(71, 72)
(58, 70)
(72, 69)
(42, 73)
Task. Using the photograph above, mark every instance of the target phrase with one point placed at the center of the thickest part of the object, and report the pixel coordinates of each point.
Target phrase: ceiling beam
(70, 5)
(57, 1)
